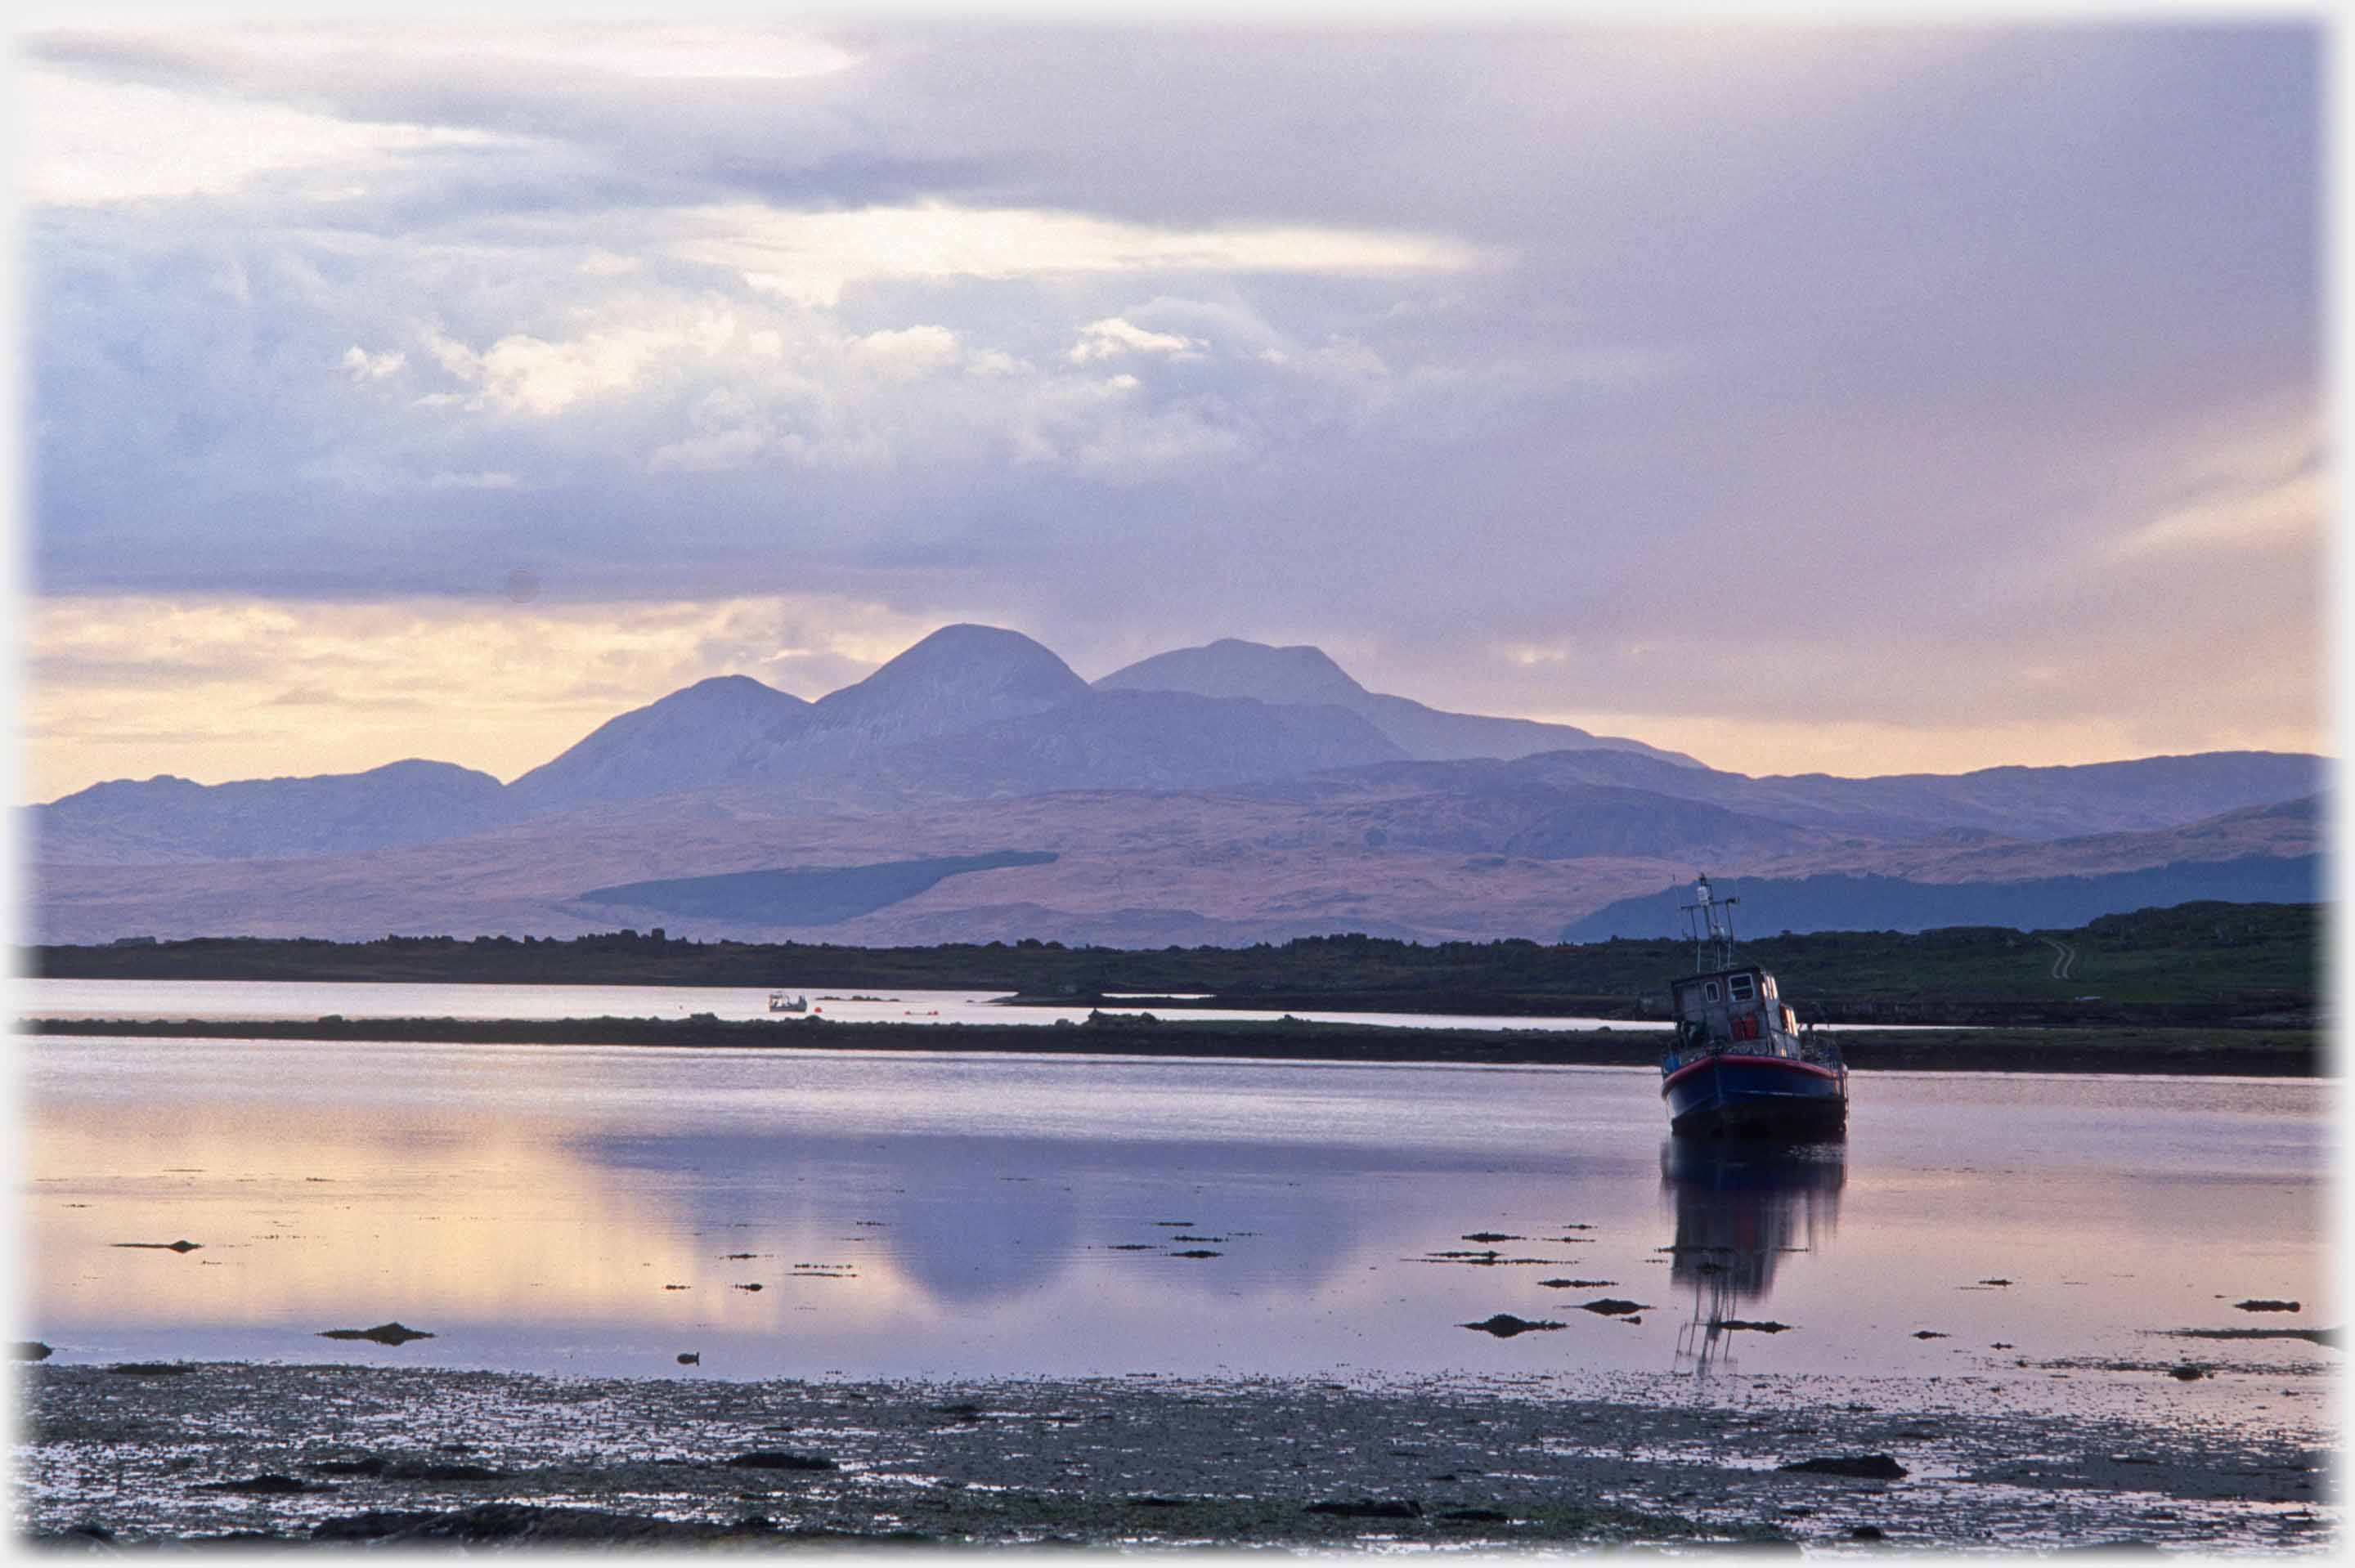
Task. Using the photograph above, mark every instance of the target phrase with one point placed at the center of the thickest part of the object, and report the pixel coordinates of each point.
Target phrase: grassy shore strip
(2248, 1011)
(2202, 963)
(2237, 1053)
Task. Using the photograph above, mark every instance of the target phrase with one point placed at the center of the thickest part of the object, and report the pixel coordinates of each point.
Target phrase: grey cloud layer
(1875, 327)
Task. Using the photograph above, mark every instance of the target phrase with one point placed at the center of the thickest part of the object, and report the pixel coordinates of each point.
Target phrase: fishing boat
(1739, 1063)
(780, 1003)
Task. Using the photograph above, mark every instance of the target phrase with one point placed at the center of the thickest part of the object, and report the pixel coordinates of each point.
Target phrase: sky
(1852, 397)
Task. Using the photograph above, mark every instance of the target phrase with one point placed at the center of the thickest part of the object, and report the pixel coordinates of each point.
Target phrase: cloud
(256, 53)
(715, 449)
(661, 52)
(1978, 340)
(2262, 483)
(909, 351)
(87, 144)
(586, 386)
(811, 257)
(521, 373)
(524, 372)
(1112, 337)
(365, 366)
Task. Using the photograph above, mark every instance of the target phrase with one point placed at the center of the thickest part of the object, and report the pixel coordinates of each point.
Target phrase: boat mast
(1712, 923)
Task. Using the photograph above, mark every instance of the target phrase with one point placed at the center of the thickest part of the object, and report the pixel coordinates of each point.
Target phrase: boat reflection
(1740, 1208)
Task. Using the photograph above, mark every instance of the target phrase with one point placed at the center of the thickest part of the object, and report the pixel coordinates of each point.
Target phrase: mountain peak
(1306, 676)
(958, 677)
(968, 653)
(740, 684)
(1231, 667)
(687, 740)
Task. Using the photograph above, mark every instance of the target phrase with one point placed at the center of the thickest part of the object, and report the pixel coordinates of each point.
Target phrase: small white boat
(780, 1003)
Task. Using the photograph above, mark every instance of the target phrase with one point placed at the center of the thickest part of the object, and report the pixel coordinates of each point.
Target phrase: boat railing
(1809, 1047)
(1821, 1049)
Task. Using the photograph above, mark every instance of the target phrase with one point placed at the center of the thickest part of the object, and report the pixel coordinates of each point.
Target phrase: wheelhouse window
(1740, 986)
(1709, 991)
(1766, 986)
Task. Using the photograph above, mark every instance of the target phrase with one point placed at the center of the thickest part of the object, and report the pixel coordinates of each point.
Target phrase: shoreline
(2155, 967)
(345, 1454)
(2214, 1052)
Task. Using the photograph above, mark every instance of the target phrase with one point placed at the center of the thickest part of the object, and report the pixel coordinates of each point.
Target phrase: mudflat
(340, 1453)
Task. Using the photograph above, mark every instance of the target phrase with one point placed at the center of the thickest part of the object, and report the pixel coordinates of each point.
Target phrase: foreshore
(2236, 1053)
(230, 1451)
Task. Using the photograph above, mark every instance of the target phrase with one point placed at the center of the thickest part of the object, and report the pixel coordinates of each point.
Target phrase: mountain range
(1228, 792)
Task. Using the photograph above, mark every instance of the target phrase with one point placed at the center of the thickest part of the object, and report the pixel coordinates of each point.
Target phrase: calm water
(234, 1000)
(964, 1215)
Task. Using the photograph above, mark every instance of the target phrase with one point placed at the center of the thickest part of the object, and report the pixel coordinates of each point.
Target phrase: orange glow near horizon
(300, 1217)
(1759, 747)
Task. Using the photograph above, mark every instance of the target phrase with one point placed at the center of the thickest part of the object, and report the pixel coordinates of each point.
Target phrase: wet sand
(149, 1457)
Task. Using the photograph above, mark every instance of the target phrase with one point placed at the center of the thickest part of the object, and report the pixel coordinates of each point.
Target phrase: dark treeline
(2207, 963)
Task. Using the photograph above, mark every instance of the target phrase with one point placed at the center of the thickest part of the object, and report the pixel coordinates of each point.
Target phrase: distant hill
(1656, 808)
(1303, 675)
(1844, 903)
(1232, 792)
(1963, 854)
(1532, 807)
(969, 712)
(2146, 793)
(1352, 850)
(165, 820)
(2018, 803)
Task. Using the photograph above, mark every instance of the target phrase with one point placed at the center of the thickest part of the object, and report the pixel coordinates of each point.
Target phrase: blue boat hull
(1736, 1095)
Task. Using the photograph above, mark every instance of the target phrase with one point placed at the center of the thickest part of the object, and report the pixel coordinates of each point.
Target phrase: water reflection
(977, 1220)
(551, 1242)
(605, 1209)
(1739, 1209)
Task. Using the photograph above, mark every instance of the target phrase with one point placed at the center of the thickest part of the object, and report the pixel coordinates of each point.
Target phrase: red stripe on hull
(1731, 1059)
